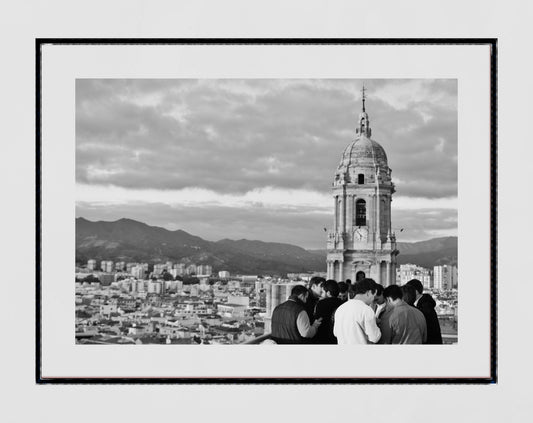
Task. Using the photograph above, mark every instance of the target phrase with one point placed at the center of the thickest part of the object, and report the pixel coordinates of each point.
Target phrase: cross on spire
(364, 123)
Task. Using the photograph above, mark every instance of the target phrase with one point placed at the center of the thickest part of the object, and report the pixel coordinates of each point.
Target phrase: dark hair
(343, 287)
(409, 294)
(332, 287)
(379, 289)
(416, 284)
(393, 291)
(349, 281)
(364, 285)
(316, 280)
(298, 290)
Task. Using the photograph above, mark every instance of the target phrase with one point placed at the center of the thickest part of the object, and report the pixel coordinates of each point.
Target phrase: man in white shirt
(355, 321)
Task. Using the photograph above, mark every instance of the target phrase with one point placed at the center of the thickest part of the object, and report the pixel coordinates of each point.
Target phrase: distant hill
(433, 252)
(132, 241)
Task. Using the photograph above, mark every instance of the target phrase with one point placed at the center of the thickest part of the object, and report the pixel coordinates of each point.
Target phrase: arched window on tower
(361, 179)
(360, 213)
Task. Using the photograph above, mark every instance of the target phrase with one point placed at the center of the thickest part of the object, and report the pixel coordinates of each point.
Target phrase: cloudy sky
(255, 158)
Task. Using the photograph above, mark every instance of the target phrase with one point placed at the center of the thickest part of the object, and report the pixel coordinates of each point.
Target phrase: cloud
(422, 224)
(234, 136)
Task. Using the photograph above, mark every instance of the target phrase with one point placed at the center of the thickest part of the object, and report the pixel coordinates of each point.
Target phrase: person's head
(392, 294)
(365, 290)
(343, 290)
(315, 285)
(331, 288)
(299, 292)
(409, 294)
(379, 299)
(417, 285)
(348, 281)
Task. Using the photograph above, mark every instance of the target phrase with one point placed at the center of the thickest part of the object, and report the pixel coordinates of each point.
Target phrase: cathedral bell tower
(361, 243)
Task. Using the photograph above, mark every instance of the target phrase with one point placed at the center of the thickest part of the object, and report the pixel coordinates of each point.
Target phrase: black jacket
(310, 305)
(325, 309)
(426, 304)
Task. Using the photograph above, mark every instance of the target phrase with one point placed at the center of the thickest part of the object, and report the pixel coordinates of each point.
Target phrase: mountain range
(132, 241)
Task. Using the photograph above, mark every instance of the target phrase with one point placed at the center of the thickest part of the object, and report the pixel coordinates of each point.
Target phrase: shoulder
(293, 305)
(426, 301)
(367, 310)
(345, 307)
(415, 311)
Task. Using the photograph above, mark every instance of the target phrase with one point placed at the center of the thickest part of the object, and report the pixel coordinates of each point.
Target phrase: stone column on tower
(335, 213)
(343, 212)
(378, 273)
(329, 272)
(349, 212)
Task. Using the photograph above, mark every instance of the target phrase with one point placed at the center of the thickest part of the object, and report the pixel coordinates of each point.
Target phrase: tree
(91, 278)
(167, 276)
(190, 280)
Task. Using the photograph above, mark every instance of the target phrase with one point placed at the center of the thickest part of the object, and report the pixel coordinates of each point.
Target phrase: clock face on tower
(360, 233)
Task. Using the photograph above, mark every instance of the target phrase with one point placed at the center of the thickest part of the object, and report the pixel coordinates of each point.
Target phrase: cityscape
(284, 182)
(176, 303)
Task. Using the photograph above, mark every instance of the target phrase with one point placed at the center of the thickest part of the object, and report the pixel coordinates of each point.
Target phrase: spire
(364, 123)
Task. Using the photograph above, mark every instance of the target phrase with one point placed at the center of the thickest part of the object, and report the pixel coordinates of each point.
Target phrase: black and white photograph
(266, 211)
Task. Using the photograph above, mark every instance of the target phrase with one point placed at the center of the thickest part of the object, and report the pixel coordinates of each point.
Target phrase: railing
(447, 339)
(258, 340)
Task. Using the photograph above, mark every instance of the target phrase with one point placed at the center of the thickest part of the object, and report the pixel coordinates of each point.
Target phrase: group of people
(331, 312)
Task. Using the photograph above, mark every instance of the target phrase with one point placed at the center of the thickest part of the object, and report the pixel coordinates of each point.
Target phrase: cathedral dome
(363, 152)
(363, 156)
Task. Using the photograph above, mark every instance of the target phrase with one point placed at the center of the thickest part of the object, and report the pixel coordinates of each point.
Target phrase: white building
(106, 266)
(239, 300)
(154, 287)
(180, 269)
(159, 268)
(445, 277)
(191, 269)
(137, 272)
(406, 272)
(204, 269)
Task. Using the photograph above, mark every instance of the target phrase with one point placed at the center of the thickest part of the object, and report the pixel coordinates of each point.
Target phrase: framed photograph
(266, 211)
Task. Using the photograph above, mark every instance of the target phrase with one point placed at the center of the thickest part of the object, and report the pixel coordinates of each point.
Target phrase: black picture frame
(491, 42)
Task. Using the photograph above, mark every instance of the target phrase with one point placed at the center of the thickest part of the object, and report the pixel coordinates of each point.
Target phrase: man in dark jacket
(325, 309)
(315, 293)
(426, 304)
(290, 322)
